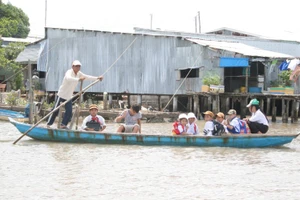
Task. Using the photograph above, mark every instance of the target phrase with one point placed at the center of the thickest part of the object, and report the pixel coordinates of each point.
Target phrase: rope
(182, 82)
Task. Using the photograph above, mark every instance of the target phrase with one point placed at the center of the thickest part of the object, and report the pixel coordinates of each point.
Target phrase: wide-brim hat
(209, 113)
(183, 116)
(220, 114)
(93, 106)
(191, 115)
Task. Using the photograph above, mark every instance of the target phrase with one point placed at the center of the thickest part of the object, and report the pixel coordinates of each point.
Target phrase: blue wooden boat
(5, 114)
(240, 141)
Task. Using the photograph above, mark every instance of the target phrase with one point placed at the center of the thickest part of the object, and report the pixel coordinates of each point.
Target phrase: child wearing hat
(209, 125)
(258, 122)
(192, 126)
(220, 117)
(93, 122)
(180, 126)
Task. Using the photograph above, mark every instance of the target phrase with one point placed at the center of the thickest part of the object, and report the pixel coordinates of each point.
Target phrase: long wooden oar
(64, 103)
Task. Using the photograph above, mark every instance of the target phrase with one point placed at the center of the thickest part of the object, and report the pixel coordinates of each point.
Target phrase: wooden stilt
(227, 104)
(175, 104)
(104, 100)
(268, 106)
(196, 104)
(273, 111)
(190, 103)
(110, 101)
(139, 100)
(159, 102)
(261, 105)
(296, 111)
(284, 114)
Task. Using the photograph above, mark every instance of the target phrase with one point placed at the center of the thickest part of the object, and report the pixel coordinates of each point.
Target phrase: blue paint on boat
(10, 113)
(240, 141)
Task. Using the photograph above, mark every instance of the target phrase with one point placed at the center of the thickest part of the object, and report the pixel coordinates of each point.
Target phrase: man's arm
(88, 77)
(122, 116)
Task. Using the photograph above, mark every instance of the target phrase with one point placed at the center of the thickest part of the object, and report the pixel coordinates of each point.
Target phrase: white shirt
(259, 117)
(192, 129)
(70, 82)
(89, 118)
(208, 128)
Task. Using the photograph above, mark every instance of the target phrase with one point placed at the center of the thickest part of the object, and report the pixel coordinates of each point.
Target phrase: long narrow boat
(240, 141)
(5, 114)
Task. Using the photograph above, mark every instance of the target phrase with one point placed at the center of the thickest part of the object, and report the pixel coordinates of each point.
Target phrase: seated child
(132, 119)
(220, 117)
(93, 122)
(209, 125)
(192, 126)
(180, 126)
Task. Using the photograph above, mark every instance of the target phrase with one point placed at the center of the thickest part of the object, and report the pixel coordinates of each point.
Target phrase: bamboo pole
(78, 109)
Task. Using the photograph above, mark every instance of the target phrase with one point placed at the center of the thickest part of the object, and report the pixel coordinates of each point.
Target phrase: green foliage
(212, 79)
(13, 21)
(48, 106)
(11, 99)
(284, 78)
(7, 57)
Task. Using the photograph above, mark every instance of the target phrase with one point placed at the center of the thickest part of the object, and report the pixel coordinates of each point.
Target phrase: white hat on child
(191, 115)
(182, 116)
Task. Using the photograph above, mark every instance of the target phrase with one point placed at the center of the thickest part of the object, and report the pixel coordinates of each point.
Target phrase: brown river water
(43, 170)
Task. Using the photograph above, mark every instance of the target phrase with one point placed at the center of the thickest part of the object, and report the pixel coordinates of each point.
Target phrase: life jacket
(175, 130)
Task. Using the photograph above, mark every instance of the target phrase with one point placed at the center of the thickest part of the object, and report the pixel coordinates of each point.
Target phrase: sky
(275, 18)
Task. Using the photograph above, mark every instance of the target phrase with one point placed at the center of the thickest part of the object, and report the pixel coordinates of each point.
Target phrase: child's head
(208, 115)
(135, 108)
(93, 109)
(220, 117)
(191, 117)
(183, 119)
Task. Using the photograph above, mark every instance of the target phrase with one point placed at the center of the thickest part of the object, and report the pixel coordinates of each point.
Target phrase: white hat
(76, 62)
(183, 116)
(191, 115)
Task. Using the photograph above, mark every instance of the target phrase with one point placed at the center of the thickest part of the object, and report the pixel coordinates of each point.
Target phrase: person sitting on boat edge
(65, 92)
(180, 125)
(132, 119)
(192, 126)
(93, 122)
(220, 117)
(209, 124)
(258, 122)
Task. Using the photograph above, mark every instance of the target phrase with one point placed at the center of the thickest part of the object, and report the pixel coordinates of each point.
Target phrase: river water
(43, 170)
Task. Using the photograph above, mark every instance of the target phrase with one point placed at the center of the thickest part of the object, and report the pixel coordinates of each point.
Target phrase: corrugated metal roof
(240, 48)
(31, 52)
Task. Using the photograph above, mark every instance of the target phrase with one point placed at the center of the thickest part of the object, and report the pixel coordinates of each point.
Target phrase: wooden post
(73, 117)
(59, 117)
(175, 101)
(214, 105)
(128, 100)
(243, 108)
(261, 105)
(159, 102)
(246, 79)
(190, 103)
(273, 111)
(296, 111)
(30, 93)
(268, 106)
(104, 100)
(227, 104)
(287, 110)
(293, 111)
(139, 99)
(196, 103)
(78, 107)
(284, 114)
(110, 101)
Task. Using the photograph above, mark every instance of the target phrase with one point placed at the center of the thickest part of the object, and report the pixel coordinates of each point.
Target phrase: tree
(13, 21)
(7, 63)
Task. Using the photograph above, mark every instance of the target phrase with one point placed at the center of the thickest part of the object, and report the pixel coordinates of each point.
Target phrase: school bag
(218, 129)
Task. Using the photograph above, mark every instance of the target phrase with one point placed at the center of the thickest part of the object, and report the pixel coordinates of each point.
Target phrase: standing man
(66, 90)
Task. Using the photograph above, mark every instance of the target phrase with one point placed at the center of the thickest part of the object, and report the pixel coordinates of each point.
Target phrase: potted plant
(212, 83)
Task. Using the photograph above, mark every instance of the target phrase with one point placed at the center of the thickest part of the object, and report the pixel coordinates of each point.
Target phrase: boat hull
(239, 141)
